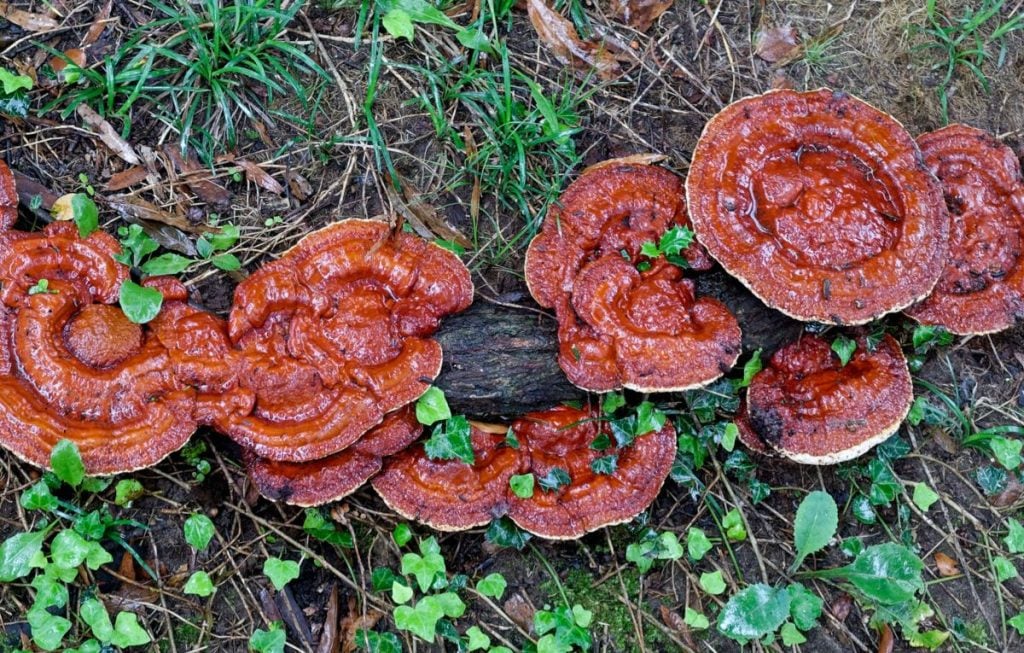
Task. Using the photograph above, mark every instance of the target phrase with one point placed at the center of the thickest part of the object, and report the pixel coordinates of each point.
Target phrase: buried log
(502, 362)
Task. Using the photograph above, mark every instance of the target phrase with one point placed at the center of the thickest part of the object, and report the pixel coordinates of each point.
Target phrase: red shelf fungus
(982, 286)
(321, 481)
(71, 364)
(809, 407)
(335, 334)
(8, 198)
(626, 320)
(452, 495)
(820, 204)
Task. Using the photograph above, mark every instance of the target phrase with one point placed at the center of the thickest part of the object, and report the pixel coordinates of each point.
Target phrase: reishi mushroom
(982, 286)
(335, 334)
(452, 495)
(622, 324)
(819, 204)
(8, 198)
(807, 406)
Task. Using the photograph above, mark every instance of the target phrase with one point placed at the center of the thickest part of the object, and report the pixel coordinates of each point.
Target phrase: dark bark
(501, 362)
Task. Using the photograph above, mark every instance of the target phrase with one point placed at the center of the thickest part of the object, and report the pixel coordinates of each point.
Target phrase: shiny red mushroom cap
(332, 478)
(625, 319)
(595, 496)
(809, 407)
(336, 333)
(820, 204)
(8, 198)
(982, 286)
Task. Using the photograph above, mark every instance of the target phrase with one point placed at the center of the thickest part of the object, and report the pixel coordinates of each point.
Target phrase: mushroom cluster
(450, 495)
(626, 318)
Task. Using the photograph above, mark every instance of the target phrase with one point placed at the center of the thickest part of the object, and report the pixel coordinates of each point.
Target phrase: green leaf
(1006, 451)
(511, 441)
(268, 641)
(992, 480)
(581, 616)
(675, 240)
(402, 534)
(38, 497)
(126, 491)
(1015, 536)
(1018, 623)
(432, 406)
(885, 573)
(504, 532)
(924, 497)
(862, 510)
(199, 584)
(140, 304)
(319, 527)
(68, 549)
(226, 262)
(225, 238)
(398, 23)
(203, 247)
(817, 520)
(88, 646)
(97, 556)
(17, 553)
(844, 348)
(426, 565)
(1004, 569)
(199, 530)
(451, 440)
(478, 639)
(66, 462)
(791, 636)
(697, 543)
(804, 607)
(648, 419)
(379, 642)
(754, 612)
(555, 478)
(601, 442)
(695, 619)
(168, 263)
(13, 82)
(712, 582)
(136, 244)
(522, 485)
(421, 619)
(280, 572)
(612, 402)
(48, 630)
(929, 639)
(400, 592)
(916, 413)
(925, 336)
(50, 592)
(94, 614)
(735, 531)
(650, 250)
(492, 585)
(128, 632)
(605, 464)
(85, 214)
(751, 368)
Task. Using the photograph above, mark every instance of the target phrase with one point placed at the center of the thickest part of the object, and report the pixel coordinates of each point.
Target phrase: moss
(605, 602)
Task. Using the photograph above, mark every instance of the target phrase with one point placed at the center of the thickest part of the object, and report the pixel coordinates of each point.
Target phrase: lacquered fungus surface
(981, 289)
(820, 204)
(809, 407)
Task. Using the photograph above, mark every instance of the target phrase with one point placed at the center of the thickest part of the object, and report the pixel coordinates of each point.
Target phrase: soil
(696, 59)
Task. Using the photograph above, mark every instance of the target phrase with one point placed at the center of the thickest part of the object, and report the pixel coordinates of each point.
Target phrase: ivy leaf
(925, 336)
(492, 585)
(751, 368)
(432, 406)
(754, 612)
(605, 464)
(612, 402)
(268, 641)
(601, 442)
(13, 82)
(522, 485)
(477, 639)
(992, 480)
(280, 572)
(68, 549)
(17, 553)
(140, 304)
(504, 532)
(1006, 451)
(1004, 569)
(1018, 623)
(555, 479)
(48, 630)
(97, 556)
(379, 642)
(451, 440)
(863, 511)
(735, 531)
(426, 565)
(402, 534)
(127, 490)
(697, 543)
(38, 497)
(128, 632)
(1015, 537)
(817, 520)
(924, 497)
(695, 619)
(421, 620)
(712, 582)
(648, 419)
(94, 614)
(50, 592)
(199, 530)
(199, 584)
(916, 413)
(844, 348)
(66, 462)
(791, 636)
(729, 435)
(400, 592)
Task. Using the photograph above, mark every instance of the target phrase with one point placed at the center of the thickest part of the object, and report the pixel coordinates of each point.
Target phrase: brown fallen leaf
(259, 176)
(108, 135)
(886, 640)
(143, 210)
(675, 621)
(26, 19)
(632, 159)
(29, 188)
(561, 37)
(197, 178)
(1010, 495)
(423, 217)
(778, 44)
(520, 611)
(76, 55)
(99, 23)
(299, 186)
(947, 566)
(355, 621)
(841, 606)
(329, 641)
(126, 178)
(640, 14)
(471, 152)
